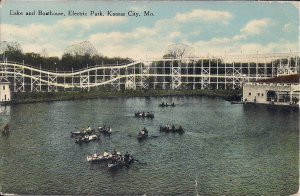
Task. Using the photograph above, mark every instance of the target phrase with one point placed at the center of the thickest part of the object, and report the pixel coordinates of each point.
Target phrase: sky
(208, 27)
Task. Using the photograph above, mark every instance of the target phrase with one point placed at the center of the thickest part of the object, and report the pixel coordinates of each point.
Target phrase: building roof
(282, 79)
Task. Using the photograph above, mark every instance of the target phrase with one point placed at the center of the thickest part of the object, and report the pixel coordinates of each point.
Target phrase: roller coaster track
(201, 73)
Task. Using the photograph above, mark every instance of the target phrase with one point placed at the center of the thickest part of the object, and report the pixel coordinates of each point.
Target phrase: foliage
(179, 51)
(66, 63)
(11, 52)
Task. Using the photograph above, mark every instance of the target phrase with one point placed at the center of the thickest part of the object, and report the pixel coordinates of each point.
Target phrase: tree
(11, 51)
(81, 49)
(76, 56)
(179, 51)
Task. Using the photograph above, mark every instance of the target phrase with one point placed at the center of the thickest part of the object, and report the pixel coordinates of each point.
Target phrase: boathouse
(282, 90)
(4, 91)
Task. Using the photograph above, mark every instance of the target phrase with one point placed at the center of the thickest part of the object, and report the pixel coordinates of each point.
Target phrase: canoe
(166, 105)
(97, 158)
(86, 138)
(171, 129)
(144, 115)
(105, 130)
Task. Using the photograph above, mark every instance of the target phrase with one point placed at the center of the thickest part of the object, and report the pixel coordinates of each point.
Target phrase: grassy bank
(32, 97)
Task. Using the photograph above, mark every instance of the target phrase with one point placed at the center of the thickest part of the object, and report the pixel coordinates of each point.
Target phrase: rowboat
(86, 138)
(97, 157)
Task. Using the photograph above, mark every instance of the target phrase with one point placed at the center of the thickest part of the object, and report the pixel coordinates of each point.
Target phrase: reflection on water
(231, 149)
(4, 114)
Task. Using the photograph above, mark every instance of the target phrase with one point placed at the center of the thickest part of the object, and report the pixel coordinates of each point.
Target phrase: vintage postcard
(149, 97)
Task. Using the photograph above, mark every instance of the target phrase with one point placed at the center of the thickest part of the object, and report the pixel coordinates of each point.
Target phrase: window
(3, 87)
(249, 94)
(262, 94)
(258, 94)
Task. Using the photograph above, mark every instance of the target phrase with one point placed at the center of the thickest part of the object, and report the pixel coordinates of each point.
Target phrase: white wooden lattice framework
(192, 73)
(19, 79)
(114, 76)
(176, 75)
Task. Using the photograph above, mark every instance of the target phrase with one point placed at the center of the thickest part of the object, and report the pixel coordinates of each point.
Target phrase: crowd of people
(144, 114)
(168, 128)
(119, 158)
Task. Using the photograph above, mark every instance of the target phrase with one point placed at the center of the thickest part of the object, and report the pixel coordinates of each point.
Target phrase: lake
(228, 149)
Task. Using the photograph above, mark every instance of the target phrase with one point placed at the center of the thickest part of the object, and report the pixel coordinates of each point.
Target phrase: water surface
(229, 149)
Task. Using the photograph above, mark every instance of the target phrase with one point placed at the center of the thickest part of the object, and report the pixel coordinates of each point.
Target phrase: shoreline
(38, 97)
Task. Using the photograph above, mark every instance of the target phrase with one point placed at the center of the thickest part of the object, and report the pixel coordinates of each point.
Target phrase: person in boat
(173, 128)
(161, 128)
(89, 128)
(163, 103)
(105, 154)
(173, 104)
(145, 131)
(94, 155)
(121, 158)
(113, 160)
(126, 157)
(167, 127)
(114, 152)
(167, 104)
(180, 129)
(130, 158)
(115, 157)
(6, 128)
